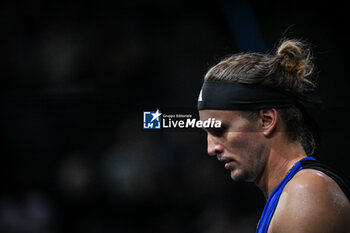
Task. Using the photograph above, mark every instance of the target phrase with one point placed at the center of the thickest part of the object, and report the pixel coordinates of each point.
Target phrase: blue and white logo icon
(151, 120)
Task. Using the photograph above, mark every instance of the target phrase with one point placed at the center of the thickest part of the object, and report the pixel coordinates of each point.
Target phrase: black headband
(238, 96)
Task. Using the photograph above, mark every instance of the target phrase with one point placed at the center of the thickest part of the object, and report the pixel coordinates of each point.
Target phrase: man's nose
(214, 147)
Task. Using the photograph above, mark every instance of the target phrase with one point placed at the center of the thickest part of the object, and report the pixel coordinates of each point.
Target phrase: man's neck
(281, 160)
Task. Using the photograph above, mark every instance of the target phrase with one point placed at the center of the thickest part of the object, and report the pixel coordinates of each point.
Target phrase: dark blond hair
(289, 69)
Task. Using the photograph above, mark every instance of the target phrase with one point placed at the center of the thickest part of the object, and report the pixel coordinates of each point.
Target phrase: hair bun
(295, 59)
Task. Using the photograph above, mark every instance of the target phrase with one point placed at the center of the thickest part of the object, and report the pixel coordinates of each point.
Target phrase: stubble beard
(240, 175)
(251, 174)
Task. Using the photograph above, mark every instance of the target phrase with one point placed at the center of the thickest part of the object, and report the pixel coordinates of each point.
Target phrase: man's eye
(216, 131)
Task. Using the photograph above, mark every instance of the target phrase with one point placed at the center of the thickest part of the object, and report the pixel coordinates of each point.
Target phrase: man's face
(239, 143)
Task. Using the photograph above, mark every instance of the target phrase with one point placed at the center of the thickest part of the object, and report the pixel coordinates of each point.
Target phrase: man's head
(249, 129)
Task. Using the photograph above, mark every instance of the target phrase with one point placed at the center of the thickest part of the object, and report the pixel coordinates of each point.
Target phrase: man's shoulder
(310, 200)
(313, 189)
(315, 183)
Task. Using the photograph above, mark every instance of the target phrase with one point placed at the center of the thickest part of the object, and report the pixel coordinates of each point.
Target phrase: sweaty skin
(311, 202)
(258, 151)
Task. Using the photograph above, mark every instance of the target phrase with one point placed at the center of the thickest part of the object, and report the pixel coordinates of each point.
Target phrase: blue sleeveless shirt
(272, 201)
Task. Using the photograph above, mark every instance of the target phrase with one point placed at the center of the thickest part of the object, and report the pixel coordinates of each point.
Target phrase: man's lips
(229, 164)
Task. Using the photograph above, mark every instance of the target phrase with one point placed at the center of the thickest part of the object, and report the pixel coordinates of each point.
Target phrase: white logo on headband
(200, 96)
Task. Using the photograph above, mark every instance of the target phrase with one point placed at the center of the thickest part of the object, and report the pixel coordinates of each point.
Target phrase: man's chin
(239, 176)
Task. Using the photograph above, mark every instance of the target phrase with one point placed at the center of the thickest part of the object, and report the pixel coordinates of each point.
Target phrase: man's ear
(269, 119)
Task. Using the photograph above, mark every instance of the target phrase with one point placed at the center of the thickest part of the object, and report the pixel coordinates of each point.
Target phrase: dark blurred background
(76, 77)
